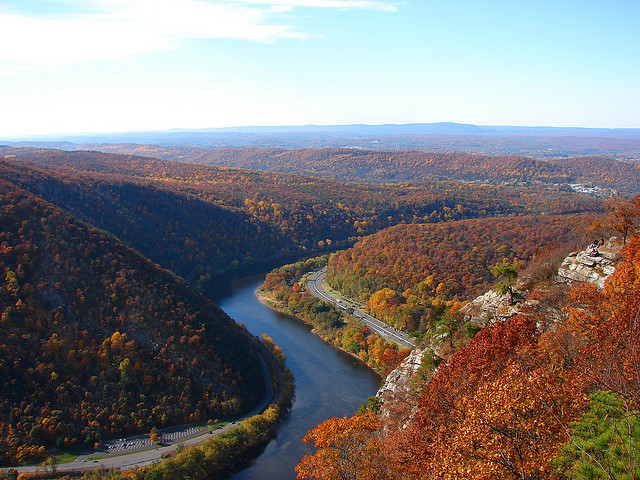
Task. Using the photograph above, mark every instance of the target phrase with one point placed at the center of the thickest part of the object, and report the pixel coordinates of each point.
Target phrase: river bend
(329, 383)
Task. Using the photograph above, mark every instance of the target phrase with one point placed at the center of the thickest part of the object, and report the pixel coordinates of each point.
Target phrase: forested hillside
(362, 165)
(526, 398)
(407, 273)
(118, 344)
(97, 342)
(200, 220)
(181, 232)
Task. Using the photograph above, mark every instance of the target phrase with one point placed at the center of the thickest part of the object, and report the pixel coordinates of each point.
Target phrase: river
(329, 383)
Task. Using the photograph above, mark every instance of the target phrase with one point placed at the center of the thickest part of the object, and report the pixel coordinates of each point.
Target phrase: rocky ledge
(492, 306)
(579, 267)
(582, 267)
(588, 267)
(399, 386)
(398, 378)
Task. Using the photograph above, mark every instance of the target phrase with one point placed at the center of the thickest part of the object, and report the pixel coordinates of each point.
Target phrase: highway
(138, 451)
(314, 285)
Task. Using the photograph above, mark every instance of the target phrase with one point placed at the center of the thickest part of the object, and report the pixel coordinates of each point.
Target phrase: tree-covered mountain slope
(186, 234)
(97, 342)
(407, 273)
(528, 397)
(199, 220)
(364, 165)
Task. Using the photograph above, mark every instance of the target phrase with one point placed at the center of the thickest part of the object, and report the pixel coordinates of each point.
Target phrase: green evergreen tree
(605, 441)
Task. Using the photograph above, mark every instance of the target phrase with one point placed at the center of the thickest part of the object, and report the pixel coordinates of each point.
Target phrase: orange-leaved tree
(606, 327)
(624, 216)
(610, 323)
(347, 449)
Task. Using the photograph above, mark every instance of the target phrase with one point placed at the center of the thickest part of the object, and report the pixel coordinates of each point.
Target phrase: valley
(112, 262)
(319, 240)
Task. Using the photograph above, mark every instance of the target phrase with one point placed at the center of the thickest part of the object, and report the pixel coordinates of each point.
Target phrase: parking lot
(141, 442)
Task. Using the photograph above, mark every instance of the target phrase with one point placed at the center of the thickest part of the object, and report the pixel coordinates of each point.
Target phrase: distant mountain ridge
(380, 166)
(421, 128)
(443, 137)
(356, 128)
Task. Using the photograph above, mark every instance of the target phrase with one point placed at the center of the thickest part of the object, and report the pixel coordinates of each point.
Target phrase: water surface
(329, 383)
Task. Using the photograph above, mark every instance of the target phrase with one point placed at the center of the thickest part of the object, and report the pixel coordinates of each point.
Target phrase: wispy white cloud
(341, 4)
(115, 29)
(129, 28)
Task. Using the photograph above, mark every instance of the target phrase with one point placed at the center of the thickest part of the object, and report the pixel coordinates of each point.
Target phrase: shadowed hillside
(97, 342)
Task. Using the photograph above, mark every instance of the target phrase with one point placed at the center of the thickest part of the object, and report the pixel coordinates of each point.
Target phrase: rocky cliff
(401, 382)
(591, 265)
(578, 267)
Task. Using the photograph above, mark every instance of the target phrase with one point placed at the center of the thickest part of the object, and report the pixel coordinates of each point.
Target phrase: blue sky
(70, 66)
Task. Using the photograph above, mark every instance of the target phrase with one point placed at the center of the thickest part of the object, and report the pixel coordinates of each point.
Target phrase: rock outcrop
(491, 306)
(580, 267)
(401, 384)
(589, 267)
(399, 378)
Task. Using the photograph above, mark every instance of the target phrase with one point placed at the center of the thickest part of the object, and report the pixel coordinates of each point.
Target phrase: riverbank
(227, 452)
(221, 452)
(272, 304)
(282, 291)
(329, 383)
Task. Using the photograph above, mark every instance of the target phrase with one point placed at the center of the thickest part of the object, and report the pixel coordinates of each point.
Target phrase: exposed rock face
(400, 384)
(399, 378)
(584, 267)
(580, 267)
(489, 307)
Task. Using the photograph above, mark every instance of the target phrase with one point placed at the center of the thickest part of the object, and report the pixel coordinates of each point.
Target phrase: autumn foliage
(282, 286)
(201, 221)
(97, 342)
(405, 272)
(348, 448)
(411, 165)
(507, 404)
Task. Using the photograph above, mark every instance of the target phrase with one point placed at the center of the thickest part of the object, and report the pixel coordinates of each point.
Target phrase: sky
(74, 66)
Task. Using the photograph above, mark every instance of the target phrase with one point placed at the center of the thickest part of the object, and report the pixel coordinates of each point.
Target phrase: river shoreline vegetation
(416, 277)
(283, 289)
(105, 327)
(217, 456)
